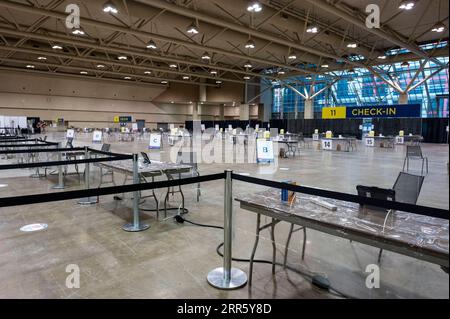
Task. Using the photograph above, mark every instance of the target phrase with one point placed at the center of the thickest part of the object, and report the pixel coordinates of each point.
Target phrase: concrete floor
(172, 261)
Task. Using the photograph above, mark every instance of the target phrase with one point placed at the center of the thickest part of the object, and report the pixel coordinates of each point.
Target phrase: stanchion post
(87, 200)
(60, 184)
(136, 226)
(226, 277)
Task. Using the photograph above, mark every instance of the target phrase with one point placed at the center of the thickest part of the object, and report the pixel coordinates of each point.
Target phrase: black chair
(406, 189)
(414, 152)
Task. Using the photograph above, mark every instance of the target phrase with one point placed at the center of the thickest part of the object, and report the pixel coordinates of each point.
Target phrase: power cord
(316, 280)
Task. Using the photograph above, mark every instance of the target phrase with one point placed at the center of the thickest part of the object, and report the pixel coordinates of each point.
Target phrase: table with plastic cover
(422, 237)
(145, 171)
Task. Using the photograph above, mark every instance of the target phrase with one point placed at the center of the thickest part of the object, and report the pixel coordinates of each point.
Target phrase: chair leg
(404, 164)
(286, 250)
(427, 164)
(304, 243)
(255, 246)
(274, 246)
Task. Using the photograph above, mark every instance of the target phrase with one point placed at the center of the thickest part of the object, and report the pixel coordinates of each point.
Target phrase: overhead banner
(380, 111)
(123, 119)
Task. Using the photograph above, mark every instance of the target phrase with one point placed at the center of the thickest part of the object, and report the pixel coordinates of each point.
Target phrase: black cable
(181, 220)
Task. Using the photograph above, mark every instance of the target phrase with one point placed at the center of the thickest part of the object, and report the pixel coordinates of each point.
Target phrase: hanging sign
(380, 111)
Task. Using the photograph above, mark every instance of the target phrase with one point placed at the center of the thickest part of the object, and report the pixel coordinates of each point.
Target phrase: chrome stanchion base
(216, 278)
(88, 201)
(133, 229)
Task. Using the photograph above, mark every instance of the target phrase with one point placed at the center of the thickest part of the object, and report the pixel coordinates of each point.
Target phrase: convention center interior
(224, 149)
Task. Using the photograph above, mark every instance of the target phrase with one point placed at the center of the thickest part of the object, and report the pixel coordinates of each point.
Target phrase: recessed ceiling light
(250, 44)
(78, 31)
(254, 7)
(312, 29)
(352, 45)
(439, 27)
(42, 58)
(192, 29)
(122, 57)
(30, 66)
(109, 7)
(407, 5)
(57, 47)
(248, 65)
(84, 72)
(151, 45)
(148, 72)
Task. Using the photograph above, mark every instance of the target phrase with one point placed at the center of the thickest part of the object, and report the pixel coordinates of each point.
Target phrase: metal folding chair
(414, 152)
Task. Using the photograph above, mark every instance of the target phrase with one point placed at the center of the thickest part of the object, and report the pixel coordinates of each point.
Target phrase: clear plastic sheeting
(406, 229)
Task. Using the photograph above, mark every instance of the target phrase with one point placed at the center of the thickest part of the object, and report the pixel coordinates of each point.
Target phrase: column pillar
(309, 109)
(222, 112)
(244, 112)
(403, 98)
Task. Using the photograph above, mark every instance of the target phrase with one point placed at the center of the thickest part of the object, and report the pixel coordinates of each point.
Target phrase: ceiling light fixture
(254, 7)
(312, 29)
(250, 44)
(78, 31)
(151, 45)
(292, 56)
(192, 29)
(42, 58)
(206, 56)
(407, 5)
(127, 77)
(83, 73)
(30, 66)
(325, 66)
(101, 66)
(281, 72)
(248, 65)
(218, 82)
(122, 57)
(148, 72)
(109, 7)
(352, 45)
(164, 82)
(213, 72)
(57, 47)
(173, 66)
(186, 77)
(247, 77)
(382, 57)
(439, 27)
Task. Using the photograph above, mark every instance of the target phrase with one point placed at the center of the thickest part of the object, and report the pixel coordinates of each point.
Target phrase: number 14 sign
(327, 145)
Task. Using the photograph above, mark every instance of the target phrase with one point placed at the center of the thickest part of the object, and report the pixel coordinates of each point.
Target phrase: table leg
(252, 257)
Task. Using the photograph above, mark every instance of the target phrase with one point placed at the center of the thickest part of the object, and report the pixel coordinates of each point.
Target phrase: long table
(145, 171)
(417, 236)
(345, 144)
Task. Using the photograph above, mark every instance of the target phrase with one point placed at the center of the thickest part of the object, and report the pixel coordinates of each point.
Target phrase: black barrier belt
(55, 197)
(416, 209)
(61, 163)
(19, 140)
(46, 150)
(27, 145)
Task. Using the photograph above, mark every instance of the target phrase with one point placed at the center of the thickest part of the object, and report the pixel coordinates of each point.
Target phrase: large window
(359, 87)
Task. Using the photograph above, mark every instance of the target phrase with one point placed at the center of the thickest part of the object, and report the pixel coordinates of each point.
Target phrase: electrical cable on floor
(311, 277)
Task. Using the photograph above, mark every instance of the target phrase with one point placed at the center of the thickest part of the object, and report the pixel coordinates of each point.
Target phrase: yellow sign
(116, 119)
(331, 113)
(371, 134)
(401, 133)
(329, 134)
(267, 134)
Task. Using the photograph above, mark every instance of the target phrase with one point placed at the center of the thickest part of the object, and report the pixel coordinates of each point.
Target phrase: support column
(244, 112)
(222, 112)
(403, 98)
(309, 109)
(196, 111)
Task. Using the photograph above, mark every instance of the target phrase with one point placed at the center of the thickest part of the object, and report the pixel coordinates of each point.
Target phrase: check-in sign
(378, 111)
(155, 142)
